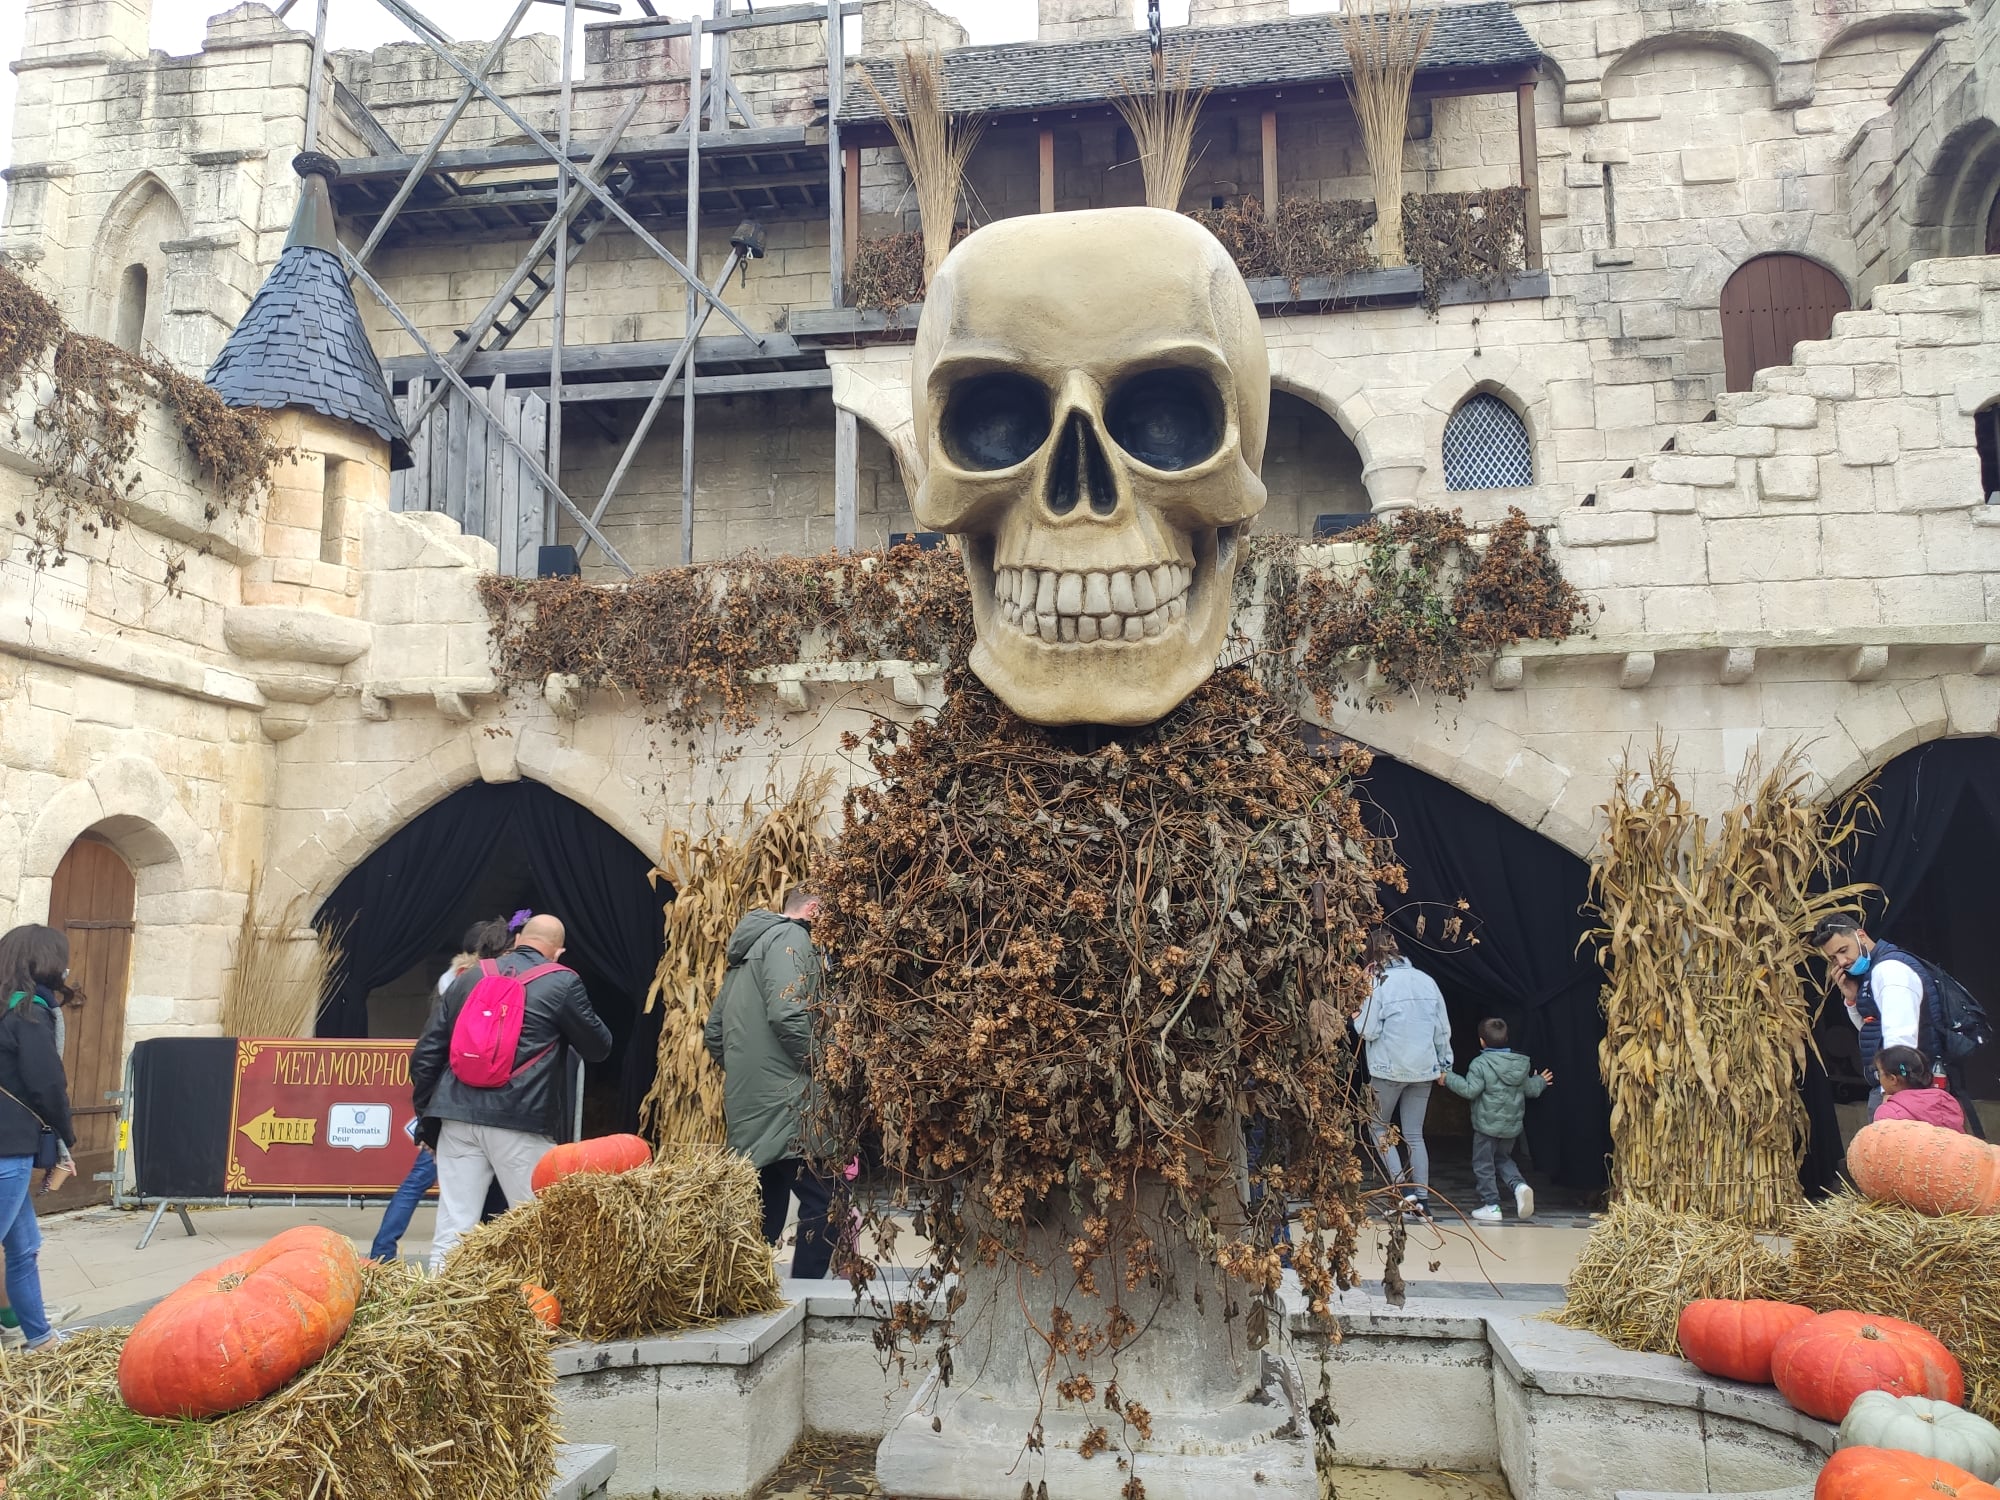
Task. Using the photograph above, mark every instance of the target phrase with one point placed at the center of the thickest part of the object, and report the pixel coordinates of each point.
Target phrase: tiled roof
(1305, 49)
(302, 342)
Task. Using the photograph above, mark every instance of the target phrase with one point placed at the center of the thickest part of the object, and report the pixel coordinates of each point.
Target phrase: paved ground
(819, 1469)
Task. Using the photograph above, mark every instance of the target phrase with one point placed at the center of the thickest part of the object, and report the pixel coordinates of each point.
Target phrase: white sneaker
(62, 1313)
(1488, 1213)
(12, 1338)
(1524, 1200)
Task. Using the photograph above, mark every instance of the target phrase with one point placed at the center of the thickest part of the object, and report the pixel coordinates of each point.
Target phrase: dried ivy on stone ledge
(1425, 608)
(89, 424)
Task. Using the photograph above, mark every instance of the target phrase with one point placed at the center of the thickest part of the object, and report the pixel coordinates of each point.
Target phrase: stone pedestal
(1226, 1419)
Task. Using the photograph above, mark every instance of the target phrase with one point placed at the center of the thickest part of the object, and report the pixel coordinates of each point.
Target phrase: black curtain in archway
(394, 907)
(1525, 895)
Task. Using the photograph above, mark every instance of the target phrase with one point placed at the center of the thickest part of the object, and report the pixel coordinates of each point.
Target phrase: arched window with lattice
(1486, 446)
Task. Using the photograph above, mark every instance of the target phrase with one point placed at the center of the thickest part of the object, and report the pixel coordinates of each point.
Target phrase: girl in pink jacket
(1909, 1092)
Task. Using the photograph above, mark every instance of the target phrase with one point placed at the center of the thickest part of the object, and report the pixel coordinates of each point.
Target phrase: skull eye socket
(995, 421)
(1166, 419)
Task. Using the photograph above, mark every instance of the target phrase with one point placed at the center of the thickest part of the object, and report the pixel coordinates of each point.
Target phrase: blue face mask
(1860, 966)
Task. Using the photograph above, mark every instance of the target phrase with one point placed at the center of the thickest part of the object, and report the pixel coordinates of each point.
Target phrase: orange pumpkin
(1734, 1339)
(237, 1332)
(1889, 1474)
(1925, 1167)
(1828, 1360)
(543, 1304)
(604, 1153)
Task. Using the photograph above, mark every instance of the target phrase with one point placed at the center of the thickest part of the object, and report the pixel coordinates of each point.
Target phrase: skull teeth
(1131, 605)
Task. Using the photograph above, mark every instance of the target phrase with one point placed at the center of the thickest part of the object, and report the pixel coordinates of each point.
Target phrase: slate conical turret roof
(302, 343)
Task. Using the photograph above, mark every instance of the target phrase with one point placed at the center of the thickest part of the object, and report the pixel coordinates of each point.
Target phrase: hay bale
(1642, 1265)
(441, 1390)
(1940, 1272)
(664, 1247)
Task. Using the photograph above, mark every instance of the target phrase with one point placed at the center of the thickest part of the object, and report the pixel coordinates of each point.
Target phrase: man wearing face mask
(760, 1034)
(1883, 990)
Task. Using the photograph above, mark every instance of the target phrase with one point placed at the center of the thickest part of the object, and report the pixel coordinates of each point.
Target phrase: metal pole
(559, 316)
(836, 230)
(694, 259)
(440, 44)
(423, 162)
(315, 79)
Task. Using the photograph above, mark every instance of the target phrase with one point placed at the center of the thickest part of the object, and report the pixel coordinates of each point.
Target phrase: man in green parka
(760, 1033)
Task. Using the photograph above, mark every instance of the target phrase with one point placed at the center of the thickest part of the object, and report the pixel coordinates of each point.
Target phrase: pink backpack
(487, 1032)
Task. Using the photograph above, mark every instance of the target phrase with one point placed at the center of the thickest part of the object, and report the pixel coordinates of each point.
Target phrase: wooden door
(1770, 304)
(91, 904)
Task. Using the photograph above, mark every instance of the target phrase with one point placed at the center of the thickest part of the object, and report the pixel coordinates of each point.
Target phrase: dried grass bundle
(716, 879)
(935, 145)
(1642, 1265)
(441, 1390)
(282, 969)
(1940, 1272)
(1384, 39)
(1162, 112)
(1707, 1021)
(630, 1254)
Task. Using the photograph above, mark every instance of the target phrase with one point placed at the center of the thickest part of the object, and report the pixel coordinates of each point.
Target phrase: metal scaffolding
(515, 474)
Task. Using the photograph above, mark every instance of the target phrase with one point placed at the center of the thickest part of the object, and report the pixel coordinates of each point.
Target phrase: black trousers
(781, 1181)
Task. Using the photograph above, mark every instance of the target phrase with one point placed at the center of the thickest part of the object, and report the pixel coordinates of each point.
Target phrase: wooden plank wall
(464, 468)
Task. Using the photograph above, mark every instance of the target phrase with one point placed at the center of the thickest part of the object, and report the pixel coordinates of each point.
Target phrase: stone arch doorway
(489, 850)
(92, 901)
(1312, 472)
(1770, 304)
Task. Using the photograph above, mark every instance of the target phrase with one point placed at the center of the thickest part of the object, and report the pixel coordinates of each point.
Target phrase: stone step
(583, 1471)
(1795, 1492)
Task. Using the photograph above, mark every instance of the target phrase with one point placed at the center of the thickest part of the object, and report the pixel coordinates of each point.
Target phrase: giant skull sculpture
(1092, 393)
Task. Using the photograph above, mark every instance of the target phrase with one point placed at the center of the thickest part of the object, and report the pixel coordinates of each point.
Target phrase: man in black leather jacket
(502, 1132)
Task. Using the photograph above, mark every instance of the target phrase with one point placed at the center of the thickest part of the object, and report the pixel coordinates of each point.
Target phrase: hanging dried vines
(88, 425)
(935, 144)
(716, 878)
(1306, 238)
(1707, 1021)
(1478, 238)
(1162, 111)
(1425, 608)
(1065, 967)
(1384, 39)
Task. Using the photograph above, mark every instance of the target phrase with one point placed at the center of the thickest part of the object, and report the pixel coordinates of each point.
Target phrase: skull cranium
(1092, 391)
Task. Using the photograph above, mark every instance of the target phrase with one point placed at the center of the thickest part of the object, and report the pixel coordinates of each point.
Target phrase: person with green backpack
(35, 1130)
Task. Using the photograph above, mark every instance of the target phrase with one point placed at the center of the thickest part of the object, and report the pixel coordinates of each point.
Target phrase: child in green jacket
(1499, 1083)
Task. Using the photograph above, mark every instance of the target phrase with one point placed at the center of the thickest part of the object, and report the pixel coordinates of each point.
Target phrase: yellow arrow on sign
(272, 1129)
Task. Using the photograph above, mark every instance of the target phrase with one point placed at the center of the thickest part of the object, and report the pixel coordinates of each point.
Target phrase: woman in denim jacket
(1408, 1034)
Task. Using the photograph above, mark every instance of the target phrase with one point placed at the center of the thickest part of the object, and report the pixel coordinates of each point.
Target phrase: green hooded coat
(1499, 1083)
(760, 1033)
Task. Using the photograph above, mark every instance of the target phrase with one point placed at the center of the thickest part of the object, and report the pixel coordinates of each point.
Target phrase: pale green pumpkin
(1932, 1429)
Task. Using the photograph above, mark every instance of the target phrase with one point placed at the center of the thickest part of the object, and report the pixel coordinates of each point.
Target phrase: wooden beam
(846, 480)
(765, 138)
(836, 198)
(704, 385)
(1531, 186)
(850, 210)
(786, 15)
(586, 360)
(1270, 166)
(1048, 171)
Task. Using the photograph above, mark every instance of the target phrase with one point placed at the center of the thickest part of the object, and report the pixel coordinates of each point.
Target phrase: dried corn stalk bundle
(1642, 1265)
(1162, 112)
(1384, 39)
(629, 1254)
(281, 969)
(1707, 1021)
(1067, 968)
(935, 145)
(716, 879)
(1941, 1272)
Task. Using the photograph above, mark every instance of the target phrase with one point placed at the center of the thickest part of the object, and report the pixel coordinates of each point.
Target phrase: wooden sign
(320, 1116)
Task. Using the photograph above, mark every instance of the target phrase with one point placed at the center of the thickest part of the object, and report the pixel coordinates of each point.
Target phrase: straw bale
(1941, 1272)
(665, 1247)
(441, 1390)
(1642, 1265)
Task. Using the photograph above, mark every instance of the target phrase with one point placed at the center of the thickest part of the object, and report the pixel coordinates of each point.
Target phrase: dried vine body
(716, 878)
(1384, 39)
(1069, 972)
(1707, 1020)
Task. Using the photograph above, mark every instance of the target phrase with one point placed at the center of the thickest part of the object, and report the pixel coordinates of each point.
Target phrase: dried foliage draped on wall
(1061, 966)
(716, 878)
(1707, 1020)
(89, 424)
(1423, 611)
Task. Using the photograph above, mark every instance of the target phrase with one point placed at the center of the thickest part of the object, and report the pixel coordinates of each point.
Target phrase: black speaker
(558, 562)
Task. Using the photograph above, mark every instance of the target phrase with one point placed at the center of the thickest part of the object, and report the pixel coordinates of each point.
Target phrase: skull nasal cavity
(1080, 470)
